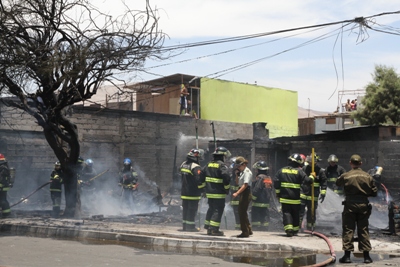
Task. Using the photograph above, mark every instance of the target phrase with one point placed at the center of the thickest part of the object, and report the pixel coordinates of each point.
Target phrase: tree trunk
(72, 195)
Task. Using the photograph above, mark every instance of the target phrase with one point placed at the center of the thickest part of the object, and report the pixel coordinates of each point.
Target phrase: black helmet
(222, 151)
(316, 158)
(196, 153)
(57, 163)
(333, 158)
(296, 158)
(261, 165)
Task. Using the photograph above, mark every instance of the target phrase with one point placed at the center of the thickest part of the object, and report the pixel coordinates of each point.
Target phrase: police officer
(4, 186)
(191, 189)
(332, 172)
(56, 179)
(234, 187)
(217, 178)
(320, 184)
(244, 180)
(128, 179)
(261, 191)
(358, 186)
(287, 187)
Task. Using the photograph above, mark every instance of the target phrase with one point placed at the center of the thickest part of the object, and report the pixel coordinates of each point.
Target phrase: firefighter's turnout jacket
(261, 191)
(191, 180)
(128, 178)
(320, 183)
(287, 184)
(4, 177)
(56, 180)
(332, 173)
(217, 179)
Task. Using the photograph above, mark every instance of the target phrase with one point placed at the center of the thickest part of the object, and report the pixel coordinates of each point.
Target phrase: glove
(322, 198)
(313, 174)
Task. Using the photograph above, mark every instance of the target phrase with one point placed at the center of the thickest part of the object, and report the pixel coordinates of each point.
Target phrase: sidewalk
(170, 238)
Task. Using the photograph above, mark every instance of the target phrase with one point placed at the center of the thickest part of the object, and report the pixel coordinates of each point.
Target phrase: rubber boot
(289, 233)
(367, 258)
(215, 232)
(346, 257)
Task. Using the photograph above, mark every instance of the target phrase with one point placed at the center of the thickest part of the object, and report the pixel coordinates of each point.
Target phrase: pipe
(330, 260)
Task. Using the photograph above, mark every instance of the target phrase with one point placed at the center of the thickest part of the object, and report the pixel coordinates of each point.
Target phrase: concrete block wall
(109, 136)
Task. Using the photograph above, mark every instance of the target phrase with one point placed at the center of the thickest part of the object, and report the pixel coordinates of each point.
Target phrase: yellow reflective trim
(219, 196)
(5, 189)
(288, 227)
(289, 201)
(254, 197)
(186, 170)
(234, 203)
(214, 180)
(202, 185)
(277, 191)
(213, 165)
(226, 186)
(6, 211)
(290, 171)
(323, 192)
(191, 197)
(216, 224)
(316, 184)
(234, 187)
(332, 179)
(290, 185)
(55, 190)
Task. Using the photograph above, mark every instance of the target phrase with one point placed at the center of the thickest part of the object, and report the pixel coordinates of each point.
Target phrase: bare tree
(54, 53)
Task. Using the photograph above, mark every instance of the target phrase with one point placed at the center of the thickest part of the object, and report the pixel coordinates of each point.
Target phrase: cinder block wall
(109, 136)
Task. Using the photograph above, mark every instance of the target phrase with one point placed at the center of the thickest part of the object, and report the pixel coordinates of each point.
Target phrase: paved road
(19, 251)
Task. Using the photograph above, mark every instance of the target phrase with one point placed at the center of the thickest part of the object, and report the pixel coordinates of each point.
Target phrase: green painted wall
(237, 102)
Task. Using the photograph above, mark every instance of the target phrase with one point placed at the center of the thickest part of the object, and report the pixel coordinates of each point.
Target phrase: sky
(343, 61)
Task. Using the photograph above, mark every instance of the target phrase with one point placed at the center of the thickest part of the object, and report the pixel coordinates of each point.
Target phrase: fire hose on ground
(24, 198)
(328, 261)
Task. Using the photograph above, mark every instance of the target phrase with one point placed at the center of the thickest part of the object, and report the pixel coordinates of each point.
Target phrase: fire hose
(330, 260)
(24, 198)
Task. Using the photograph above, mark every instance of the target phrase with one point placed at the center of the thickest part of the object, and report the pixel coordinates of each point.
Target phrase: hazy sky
(309, 69)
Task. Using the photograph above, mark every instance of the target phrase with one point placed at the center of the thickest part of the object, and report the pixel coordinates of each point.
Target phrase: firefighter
(262, 192)
(88, 172)
(191, 189)
(358, 186)
(56, 179)
(332, 172)
(216, 177)
(4, 186)
(287, 187)
(320, 184)
(234, 187)
(128, 179)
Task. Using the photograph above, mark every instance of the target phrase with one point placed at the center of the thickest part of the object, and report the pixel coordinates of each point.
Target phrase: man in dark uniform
(332, 172)
(56, 179)
(320, 184)
(4, 186)
(358, 186)
(190, 191)
(261, 191)
(287, 187)
(217, 178)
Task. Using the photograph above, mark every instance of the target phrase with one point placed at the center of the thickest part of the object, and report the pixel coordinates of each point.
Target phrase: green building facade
(246, 103)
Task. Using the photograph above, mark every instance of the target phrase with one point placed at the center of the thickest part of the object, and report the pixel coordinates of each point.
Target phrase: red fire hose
(332, 259)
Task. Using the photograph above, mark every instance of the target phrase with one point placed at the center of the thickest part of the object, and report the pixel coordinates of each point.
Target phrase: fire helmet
(80, 159)
(89, 162)
(127, 161)
(2, 158)
(57, 163)
(316, 158)
(223, 151)
(196, 153)
(333, 158)
(261, 165)
(296, 158)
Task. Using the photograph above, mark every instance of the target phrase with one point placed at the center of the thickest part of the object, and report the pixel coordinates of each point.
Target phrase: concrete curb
(170, 241)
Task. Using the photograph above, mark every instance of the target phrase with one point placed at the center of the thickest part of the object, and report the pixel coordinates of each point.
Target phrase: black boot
(367, 258)
(346, 257)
